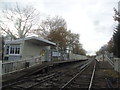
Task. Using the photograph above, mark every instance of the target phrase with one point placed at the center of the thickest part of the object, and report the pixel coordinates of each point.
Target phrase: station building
(28, 47)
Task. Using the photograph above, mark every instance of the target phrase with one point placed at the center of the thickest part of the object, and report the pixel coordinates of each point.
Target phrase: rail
(82, 69)
(93, 73)
(13, 66)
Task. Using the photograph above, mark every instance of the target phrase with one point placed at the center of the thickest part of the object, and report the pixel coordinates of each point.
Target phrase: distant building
(27, 48)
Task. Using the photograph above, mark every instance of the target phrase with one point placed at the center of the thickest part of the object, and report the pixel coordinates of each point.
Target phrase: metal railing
(109, 60)
(13, 66)
(106, 58)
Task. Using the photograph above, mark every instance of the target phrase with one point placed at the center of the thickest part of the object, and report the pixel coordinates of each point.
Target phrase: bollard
(27, 64)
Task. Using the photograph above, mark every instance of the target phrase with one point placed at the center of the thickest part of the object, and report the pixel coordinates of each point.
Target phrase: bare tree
(18, 22)
(55, 23)
(55, 30)
(74, 43)
(41, 31)
(50, 24)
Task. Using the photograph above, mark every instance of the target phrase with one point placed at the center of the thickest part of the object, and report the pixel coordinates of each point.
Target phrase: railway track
(109, 83)
(61, 78)
(34, 82)
(79, 75)
(35, 79)
(82, 79)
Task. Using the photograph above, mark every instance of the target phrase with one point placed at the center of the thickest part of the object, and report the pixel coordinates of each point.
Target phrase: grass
(111, 73)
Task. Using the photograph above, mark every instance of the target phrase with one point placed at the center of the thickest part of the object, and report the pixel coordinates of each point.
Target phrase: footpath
(105, 71)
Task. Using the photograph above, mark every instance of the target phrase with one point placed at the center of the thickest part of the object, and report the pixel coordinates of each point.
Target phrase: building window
(13, 49)
(17, 50)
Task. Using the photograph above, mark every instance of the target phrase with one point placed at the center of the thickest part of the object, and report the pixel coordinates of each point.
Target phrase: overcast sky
(92, 19)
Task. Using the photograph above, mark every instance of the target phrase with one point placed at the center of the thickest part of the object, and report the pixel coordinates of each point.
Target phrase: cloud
(92, 19)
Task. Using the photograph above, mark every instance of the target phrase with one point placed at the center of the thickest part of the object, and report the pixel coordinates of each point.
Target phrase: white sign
(56, 54)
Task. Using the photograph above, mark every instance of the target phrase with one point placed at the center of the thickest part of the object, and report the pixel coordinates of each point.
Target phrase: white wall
(99, 58)
(31, 50)
(117, 64)
(77, 57)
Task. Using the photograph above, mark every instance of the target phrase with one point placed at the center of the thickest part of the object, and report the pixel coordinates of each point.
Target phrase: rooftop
(32, 39)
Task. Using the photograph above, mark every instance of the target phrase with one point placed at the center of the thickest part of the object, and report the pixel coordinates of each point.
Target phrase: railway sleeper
(24, 86)
(109, 83)
(32, 83)
(82, 85)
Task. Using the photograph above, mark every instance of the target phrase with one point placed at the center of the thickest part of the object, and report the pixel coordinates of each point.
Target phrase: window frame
(13, 48)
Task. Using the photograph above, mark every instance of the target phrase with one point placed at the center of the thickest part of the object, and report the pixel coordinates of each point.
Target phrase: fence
(105, 58)
(109, 60)
(77, 57)
(115, 62)
(9, 67)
